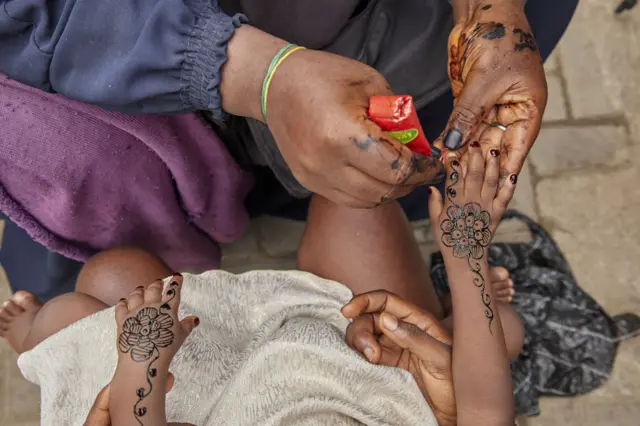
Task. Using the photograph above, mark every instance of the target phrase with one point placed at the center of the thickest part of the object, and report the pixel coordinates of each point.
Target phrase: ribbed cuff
(206, 52)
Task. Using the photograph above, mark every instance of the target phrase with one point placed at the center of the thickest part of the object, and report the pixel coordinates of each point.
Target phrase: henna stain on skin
(141, 337)
(526, 41)
(492, 31)
(364, 144)
(467, 232)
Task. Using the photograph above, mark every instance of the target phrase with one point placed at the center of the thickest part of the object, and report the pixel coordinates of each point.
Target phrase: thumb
(429, 350)
(99, 413)
(476, 100)
(435, 205)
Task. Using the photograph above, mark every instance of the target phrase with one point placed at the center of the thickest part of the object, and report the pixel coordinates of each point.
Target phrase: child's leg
(375, 250)
(104, 279)
(367, 250)
(113, 274)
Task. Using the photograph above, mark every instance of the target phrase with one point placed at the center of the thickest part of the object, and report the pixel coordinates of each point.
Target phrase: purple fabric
(80, 179)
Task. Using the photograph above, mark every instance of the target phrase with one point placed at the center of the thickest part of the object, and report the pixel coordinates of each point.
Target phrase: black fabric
(570, 342)
(310, 23)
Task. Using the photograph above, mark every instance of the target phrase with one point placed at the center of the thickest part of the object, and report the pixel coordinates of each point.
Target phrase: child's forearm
(125, 405)
(481, 371)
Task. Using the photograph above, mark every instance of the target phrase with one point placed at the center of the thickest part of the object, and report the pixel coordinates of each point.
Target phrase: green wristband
(275, 63)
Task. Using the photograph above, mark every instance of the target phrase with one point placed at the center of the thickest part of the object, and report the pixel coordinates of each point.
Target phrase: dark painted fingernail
(513, 179)
(430, 190)
(453, 139)
(435, 152)
(196, 321)
(475, 144)
(123, 300)
(494, 152)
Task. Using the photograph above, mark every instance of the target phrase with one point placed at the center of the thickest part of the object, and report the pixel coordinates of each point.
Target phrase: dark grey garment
(405, 40)
(158, 56)
(570, 342)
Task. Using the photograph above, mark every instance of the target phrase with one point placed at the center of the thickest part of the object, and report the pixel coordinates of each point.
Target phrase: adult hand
(497, 78)
(317, 112)
(389, 331)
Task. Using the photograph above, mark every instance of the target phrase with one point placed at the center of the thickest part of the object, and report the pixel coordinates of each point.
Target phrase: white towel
(269, 350)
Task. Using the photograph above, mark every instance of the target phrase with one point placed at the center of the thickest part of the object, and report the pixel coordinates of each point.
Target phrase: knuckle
(406, 168)
(503, 203)
(492, 182)
(466, 114)
(476, 175)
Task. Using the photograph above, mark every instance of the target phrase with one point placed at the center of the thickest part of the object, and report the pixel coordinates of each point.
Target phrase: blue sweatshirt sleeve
(152, 56)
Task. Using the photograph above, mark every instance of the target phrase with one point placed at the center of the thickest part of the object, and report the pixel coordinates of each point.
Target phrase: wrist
(464, 9)
(249, 53)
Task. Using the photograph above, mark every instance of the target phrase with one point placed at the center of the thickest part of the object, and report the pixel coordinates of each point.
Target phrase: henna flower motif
(466, 230)
(143, 334)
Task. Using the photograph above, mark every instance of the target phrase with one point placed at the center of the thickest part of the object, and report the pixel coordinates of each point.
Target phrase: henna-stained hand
(497, 77)
(465, 223)
(388, 330)
(318, 114)
(149, 336)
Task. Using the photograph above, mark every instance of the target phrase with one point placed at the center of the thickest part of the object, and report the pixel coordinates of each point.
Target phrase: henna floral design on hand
(467, 231)
(143, 334)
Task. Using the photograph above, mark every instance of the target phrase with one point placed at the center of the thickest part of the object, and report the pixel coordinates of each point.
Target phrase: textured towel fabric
(269, 350)
(80, 179)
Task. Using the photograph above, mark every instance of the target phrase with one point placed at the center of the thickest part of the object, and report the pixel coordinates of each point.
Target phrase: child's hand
(389, 331)
(474, 204)
(148, 326)
(149, 336)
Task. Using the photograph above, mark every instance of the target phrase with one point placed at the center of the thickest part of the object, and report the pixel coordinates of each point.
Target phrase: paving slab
(594, 225)
(572, 147)
(279, 237)
(556, 109)
(582, 67)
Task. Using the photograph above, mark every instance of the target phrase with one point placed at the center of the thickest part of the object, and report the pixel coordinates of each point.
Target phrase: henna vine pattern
(467, 231)
(142, 336)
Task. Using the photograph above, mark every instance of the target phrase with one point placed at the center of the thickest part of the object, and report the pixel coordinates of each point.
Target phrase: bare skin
(317, 112)
(366, 250)
(497, 77)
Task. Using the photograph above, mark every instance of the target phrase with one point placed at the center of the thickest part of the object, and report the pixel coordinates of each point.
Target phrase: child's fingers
(99, 413)
(189, 323)
(491, 176)
(136, 298)
(416, 341)
(435, 205)
(504, 196)
(172, 292)
(153, 293)
(122, 310)
(361, 337)
(384, 301)
(475, 174)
